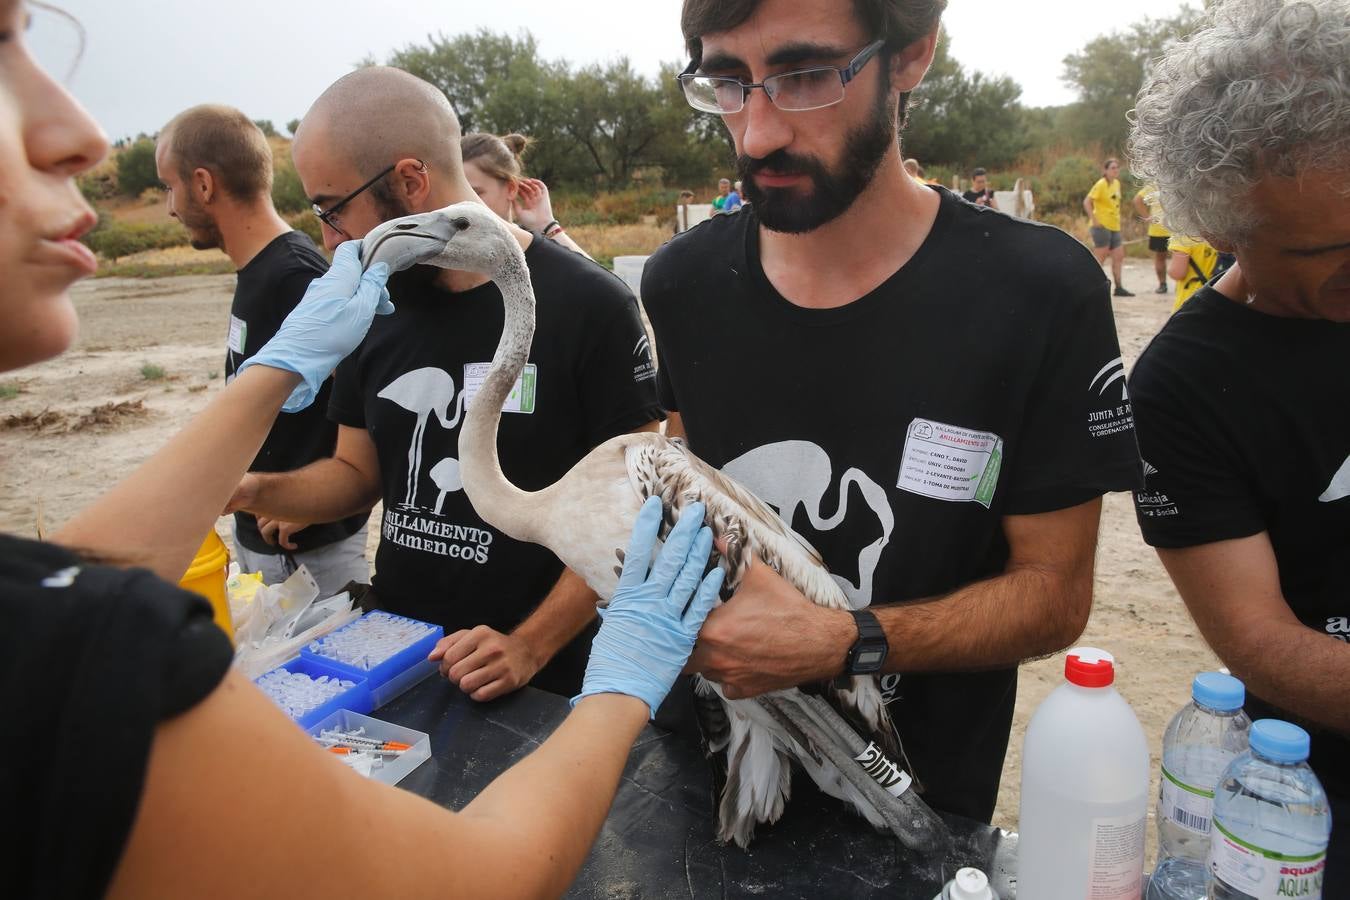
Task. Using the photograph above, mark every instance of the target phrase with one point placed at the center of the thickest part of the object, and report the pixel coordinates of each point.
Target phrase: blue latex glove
(646, 634)
(328, 323)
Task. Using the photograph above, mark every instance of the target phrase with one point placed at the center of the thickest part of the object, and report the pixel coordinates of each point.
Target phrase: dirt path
(130, 328)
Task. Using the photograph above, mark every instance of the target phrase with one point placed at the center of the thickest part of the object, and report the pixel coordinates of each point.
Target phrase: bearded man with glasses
(929, 392)
(380, 143)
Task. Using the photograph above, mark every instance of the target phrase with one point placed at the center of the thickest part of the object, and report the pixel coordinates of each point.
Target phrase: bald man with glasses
(378, 144)
(928, 391)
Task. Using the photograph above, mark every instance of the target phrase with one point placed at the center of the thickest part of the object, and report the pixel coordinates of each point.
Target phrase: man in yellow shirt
(1103, 204)
(1148, 208)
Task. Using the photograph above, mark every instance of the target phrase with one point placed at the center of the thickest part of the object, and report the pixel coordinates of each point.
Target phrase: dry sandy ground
(178, 324)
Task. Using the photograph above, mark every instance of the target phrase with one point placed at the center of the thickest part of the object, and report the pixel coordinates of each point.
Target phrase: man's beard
(832, 191)
(203, 232)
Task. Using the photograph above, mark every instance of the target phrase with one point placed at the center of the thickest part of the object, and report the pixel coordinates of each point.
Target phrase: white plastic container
(969, 884)
(1085, 795)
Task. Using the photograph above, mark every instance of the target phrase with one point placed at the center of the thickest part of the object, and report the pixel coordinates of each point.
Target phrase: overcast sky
(146, 60)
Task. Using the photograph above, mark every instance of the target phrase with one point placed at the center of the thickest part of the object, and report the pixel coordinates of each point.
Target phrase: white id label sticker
(238, 334)
(521, 398)
(947, 462)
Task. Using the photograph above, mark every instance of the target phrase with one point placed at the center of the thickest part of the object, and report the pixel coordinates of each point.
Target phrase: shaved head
(378, 115)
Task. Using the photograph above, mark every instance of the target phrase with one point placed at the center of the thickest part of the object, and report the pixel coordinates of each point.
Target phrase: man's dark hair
(978, 172)
(898, 22)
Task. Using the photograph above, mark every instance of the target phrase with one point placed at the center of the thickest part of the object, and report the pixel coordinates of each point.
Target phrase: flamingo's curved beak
(410, 240)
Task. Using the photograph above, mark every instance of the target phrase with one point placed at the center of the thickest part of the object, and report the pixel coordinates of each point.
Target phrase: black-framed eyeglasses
(329, 216)
(796, 91)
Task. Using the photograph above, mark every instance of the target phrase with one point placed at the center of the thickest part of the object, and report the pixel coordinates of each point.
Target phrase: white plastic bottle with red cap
(1084, 802)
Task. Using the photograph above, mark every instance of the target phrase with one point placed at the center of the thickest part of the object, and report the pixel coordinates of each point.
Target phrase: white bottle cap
(971, 884)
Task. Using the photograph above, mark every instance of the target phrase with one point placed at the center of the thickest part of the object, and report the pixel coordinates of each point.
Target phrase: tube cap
(1089, 667)
(971, 884)
(1218, 691)
(1279, 741)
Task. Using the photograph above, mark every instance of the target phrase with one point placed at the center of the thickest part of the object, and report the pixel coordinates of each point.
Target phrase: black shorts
(1157, 244)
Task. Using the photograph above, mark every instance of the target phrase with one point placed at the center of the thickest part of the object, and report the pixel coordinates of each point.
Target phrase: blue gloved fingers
(686, 582)
(703, 601)
(638, 557)
(376, 277)
(678, 542)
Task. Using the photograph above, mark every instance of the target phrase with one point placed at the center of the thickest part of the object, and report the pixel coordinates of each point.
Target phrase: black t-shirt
(589, 378)
(269, 287)
(975, 196)
(92, 659)
(983, 379)
(1243, 429)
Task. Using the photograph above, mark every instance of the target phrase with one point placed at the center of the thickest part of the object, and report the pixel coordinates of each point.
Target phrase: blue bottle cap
(1279, 741)
(1218, 691)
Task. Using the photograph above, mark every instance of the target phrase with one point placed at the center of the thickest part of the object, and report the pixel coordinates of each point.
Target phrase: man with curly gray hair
(1241, 400)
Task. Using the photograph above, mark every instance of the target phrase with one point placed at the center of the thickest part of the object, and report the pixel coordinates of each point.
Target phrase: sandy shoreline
(132, 328)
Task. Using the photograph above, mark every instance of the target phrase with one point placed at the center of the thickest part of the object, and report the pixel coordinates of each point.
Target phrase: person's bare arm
(185, 483)
(323, 491)
(1141, 209)
(1179, 265)
(768, 636)
(269, 812)
(1232, 589)
(487, 664)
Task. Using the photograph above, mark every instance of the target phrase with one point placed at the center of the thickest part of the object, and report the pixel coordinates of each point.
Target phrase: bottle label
(1117, 866)
(1263, 874)
(1186, 805)
(884, 772)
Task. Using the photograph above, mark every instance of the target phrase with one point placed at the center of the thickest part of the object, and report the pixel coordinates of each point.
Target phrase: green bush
(1064, 186)
(288, 194)
(266, 127)
(113, 240)
(136, 168)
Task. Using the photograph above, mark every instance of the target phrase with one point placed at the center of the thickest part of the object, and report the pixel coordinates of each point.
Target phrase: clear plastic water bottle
(1199, 743)
(1084, 805)
(1271, 820)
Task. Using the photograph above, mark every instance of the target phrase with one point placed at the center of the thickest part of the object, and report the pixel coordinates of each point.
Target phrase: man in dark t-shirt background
(217, 167)
(980, 194)
(1242, 398)
(512, 613)
(944, 443)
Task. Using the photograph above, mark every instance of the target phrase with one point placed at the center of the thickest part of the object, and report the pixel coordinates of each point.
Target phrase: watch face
(869, 659)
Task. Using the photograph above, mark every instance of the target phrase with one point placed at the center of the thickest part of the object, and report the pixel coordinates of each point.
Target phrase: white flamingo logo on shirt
(1340, 484)
(788, 474)
(423, 392)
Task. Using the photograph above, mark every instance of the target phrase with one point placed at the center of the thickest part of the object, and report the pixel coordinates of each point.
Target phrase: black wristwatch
(869, 651)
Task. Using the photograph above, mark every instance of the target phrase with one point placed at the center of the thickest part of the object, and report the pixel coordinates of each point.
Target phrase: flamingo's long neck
(496, 499)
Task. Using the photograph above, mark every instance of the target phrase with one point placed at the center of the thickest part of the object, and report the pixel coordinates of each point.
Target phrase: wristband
(552, 228)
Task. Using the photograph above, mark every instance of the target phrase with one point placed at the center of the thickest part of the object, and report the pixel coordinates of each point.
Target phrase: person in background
(1241, 399)
(1148, 209)
(216, 166)
(980, 194)
(1102, 204)
(493, 168)
(914, 170)
(1192, 265)
(832, 261)
(196, 784)
(512, 613)
(733, 201)
(723, 189)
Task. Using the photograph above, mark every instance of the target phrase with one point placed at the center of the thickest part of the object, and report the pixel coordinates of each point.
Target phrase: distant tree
(136, 167)
(288, 194)
(291, 126)
(1108, 72)
(469, 68)
(964, 119)
(266, 126)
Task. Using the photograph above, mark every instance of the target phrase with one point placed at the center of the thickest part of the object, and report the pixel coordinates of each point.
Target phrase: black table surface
(658, 840)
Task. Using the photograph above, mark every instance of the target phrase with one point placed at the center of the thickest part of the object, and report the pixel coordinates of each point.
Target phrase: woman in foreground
(150, 769)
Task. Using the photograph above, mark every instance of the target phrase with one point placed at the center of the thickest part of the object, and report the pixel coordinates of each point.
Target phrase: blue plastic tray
(393, 676)
(357, 699)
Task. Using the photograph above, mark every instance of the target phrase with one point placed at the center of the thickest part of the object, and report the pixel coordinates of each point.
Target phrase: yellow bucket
(206, 576)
